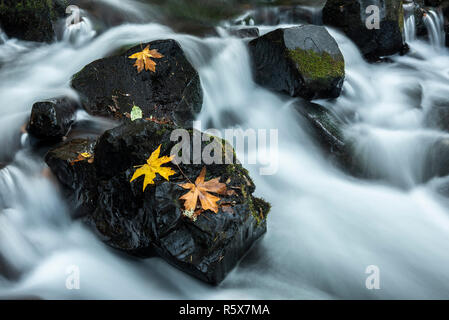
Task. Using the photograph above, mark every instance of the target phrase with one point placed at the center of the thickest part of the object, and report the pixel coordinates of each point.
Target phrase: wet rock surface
(77, 178)
(244, 32)
(111, 86)
(152, 222)
(326, 128)
(302, 61)
(350, 17)
(52, 119)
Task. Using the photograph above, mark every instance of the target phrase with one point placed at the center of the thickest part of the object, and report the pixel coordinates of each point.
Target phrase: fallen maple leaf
(144, 59)
(201, 190)
(81, 157)
(152, 167)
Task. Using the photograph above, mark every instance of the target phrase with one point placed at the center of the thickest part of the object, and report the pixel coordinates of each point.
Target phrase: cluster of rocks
(151, 223)
(94, 173)
(303, 62)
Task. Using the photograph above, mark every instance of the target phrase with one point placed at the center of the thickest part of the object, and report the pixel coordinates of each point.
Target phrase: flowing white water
(325, 227)
(81, 32)
(409, 22)
(434, 22)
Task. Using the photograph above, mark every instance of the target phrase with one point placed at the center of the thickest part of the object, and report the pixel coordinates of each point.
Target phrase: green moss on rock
(314, 65)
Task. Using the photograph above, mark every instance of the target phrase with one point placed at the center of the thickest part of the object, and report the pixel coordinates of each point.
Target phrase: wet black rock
(350, 17)
(302, 61)
(327, 129)
(77, 178)
(31, 20)
(434, 3)
(52, 119)
(111, 86)
(152, 222)
(245, 32)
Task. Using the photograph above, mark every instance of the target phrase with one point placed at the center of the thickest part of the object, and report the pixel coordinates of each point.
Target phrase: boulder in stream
(52, 119)
(111, 86)
(154, 221)
(350, 17)
(302, 61)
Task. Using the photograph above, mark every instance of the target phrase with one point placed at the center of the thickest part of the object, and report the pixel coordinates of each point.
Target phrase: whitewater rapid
(325, 227)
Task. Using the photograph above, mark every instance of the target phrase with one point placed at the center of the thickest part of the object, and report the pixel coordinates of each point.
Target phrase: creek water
(325, 227)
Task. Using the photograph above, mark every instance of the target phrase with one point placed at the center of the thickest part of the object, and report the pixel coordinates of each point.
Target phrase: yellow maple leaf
(86, 155)
(200, 190)
(152, 167)
(144, 59)
(83, 156)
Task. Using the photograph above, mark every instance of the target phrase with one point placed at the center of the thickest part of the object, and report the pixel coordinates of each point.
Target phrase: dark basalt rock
(325, 124)
(77, 178)
(152, 222)
(349, 16)
(302, 61)
(245, 32)
(326, 128)
(31, 20)
(52, 119)
(111, 86)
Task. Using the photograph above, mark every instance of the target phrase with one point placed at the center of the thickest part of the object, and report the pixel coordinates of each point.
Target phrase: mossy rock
(317, 65)
(303, 61)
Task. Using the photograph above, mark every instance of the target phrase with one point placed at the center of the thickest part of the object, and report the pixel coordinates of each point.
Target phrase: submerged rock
(152, 222)
(436, 164)
(52, 119)
(245, 32)
(111, 86)
(350, 17)
(31, 20)
(437, 115)
(302, 61)
(327, 129)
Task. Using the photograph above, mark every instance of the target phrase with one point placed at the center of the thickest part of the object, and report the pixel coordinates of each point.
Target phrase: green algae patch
(314, 65)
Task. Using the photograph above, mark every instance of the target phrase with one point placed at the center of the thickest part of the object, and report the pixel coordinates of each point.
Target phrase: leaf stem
(182, 172)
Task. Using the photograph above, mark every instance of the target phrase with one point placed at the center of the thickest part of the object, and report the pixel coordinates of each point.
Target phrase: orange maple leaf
(144, 59)
(201, 190)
